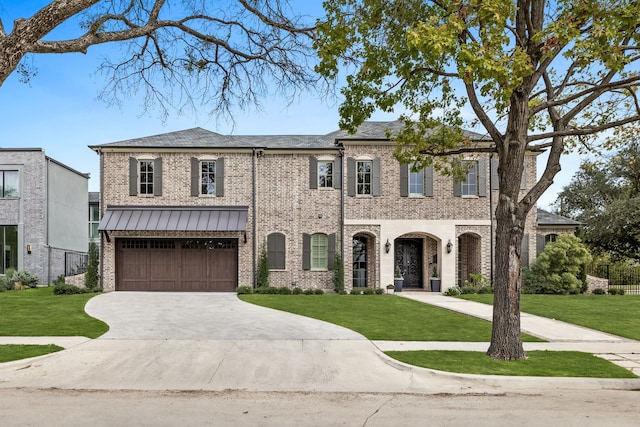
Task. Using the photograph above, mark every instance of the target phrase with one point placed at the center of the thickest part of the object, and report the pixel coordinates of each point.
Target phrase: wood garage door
(202, 265)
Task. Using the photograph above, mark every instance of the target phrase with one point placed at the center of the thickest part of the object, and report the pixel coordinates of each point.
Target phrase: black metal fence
(75, 263)
(620, 277)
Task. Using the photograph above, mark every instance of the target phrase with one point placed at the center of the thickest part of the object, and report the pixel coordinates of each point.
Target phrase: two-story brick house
(192, 210)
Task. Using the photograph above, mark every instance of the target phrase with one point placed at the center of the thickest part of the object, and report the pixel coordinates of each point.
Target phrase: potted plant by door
(435, 280)
(398, 280)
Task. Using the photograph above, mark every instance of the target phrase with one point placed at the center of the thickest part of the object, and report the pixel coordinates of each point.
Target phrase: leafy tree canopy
(605, 196)
(176, 53)
(533, 74)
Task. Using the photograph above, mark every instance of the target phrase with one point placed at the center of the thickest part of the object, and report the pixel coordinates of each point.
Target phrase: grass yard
(614, 314)
(538, 364)
(11, 352)
(38, 312)
(383, 317)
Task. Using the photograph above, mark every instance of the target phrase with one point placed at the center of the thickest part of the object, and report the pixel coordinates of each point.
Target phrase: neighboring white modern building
(42, 204)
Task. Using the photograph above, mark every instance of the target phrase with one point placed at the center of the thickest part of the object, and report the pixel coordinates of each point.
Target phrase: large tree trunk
(506, 343)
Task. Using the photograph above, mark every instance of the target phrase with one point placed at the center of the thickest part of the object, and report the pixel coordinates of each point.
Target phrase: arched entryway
(416, 255)
(469, 256)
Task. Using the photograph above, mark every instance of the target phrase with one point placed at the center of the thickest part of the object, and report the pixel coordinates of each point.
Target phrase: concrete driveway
(203, 316)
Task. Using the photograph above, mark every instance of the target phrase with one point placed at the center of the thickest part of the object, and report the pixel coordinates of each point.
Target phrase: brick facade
(272, 177)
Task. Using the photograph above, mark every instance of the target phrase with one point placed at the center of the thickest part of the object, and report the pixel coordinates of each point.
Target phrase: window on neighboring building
(276, 251)
(325, 174)
(9, 243)
(319, 251)
(9, 184)
(94, 220)
(550, 238)
(145, 176)
(416, 182)
(364, 169)
(208, 177)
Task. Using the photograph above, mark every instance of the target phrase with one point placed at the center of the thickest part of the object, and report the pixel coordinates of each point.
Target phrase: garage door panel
(177, 265)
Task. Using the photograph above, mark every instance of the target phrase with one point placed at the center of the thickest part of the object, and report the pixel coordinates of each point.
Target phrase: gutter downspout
(341, 151)
(101, 210)
(254, 221)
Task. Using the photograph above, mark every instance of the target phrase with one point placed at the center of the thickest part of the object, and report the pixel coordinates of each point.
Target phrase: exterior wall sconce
(387, 246)
(29, 249)
(449, 246)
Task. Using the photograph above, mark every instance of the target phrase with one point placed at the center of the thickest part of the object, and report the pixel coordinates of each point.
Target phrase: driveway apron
(203, 316)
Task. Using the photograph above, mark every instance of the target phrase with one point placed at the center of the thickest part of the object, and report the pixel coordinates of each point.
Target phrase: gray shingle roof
(549, 219)
(202, 138)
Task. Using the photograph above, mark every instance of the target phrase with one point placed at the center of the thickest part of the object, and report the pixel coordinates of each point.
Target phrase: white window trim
(470, 196)
(145, 158)
(364, 159)
(326, 159)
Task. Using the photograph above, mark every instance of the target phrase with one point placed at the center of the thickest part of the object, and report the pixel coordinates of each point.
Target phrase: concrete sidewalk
(562, 336)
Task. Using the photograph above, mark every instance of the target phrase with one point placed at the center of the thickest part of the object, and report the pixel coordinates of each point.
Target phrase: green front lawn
(11, 352)
(614, 314)
(537, 364)
(38, 312)
(383, 317)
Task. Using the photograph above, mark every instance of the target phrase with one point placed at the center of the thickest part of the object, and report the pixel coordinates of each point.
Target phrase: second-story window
(145, 175)
(208, 177)
(364, 169)
(470, 184)
(416, 182)
(9, 184)
(325, 174)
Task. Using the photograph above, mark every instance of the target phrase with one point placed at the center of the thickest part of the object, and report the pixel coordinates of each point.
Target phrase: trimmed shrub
(453, 291)
(598, 291)
(27, 279)
(91, 275)
(338, 274)
(262, 278)
(318, 292)
(297, 291)
(367, 291)
(64, 289)
(308, 292)
(284, 291)
(379, 291)
(244, 290)
(355, 291)
(469, 289)
(556, 269)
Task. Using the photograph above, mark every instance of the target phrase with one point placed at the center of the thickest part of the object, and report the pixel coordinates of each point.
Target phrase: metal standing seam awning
(163, 218)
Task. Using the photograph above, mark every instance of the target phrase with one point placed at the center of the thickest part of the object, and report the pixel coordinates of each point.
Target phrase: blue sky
(60, 112)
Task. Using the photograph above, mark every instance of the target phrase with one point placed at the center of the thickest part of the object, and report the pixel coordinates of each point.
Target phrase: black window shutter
(524, 255)
(313, 172)
(495, 183)
(133, 176)
(351, 176)
(220, 177)
(404, 180)
(428, 181)
(376, 190)
(457, 188)
(157, 176)
(540, 243)
(482, 178)
(276, 250)
(306, 251)
(331, 255)
(195, 176)
(337, 172)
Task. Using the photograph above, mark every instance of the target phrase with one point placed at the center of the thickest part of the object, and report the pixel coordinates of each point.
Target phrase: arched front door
(359, 262)
(408, 256)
